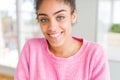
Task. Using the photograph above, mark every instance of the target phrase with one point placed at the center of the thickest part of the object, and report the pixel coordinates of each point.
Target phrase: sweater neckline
(73, 58)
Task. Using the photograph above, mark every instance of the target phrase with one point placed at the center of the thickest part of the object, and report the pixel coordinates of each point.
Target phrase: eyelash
(60, 18)
(45, 20)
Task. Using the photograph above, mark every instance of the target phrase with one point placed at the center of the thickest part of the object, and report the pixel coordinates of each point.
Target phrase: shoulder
(96, 52)
(34, 46)
(35, 43)
(94, 45)
(91, 46)
(93, 49)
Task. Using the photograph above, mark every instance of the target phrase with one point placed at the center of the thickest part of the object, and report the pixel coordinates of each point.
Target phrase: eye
(60, 18)
(44, 20)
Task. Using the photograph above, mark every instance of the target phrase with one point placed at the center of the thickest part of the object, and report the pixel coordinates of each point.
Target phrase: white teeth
(55, 35)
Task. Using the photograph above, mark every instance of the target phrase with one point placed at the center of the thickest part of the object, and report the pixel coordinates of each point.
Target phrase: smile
(55, 35)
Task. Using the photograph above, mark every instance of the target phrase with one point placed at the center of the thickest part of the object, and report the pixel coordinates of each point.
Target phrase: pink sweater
(38, 63)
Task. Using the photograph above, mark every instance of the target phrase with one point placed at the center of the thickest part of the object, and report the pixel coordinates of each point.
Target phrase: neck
(70, 47)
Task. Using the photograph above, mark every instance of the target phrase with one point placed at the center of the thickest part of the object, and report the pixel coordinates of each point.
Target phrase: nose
(53, 25)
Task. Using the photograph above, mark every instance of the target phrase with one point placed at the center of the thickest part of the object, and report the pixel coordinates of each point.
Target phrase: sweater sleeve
(22, 70)
(100, 68)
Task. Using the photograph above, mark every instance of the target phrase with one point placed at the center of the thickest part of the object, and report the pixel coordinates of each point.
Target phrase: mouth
(56, 35)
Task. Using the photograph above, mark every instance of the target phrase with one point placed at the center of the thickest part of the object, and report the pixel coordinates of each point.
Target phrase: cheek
(68, 23)
(67, 27)
(43, 28)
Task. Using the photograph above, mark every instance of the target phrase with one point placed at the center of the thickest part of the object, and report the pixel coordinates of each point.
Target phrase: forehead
(53, 6)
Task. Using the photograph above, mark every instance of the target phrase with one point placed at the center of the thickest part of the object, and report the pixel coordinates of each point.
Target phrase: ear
(74, 16)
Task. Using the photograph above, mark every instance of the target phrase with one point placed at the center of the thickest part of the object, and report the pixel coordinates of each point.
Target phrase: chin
(56, 44)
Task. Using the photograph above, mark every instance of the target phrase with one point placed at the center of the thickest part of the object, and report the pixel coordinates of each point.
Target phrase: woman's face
(56, 21)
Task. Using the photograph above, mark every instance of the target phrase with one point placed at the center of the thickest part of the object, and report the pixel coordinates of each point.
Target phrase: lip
(55, 35)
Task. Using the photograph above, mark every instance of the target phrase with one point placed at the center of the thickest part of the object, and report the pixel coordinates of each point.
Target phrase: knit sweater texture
(38, 63)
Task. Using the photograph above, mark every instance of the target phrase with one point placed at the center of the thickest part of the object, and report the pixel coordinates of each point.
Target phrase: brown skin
(56, 21)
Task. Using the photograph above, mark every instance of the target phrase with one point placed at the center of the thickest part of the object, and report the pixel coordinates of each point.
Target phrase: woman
(59, 56)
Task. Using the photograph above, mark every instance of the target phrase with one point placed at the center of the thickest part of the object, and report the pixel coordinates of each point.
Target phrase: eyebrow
(42, 14)
(59, 11)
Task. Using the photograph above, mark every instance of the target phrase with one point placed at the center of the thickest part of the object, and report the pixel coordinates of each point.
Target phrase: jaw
(55, 35)
(55, 39)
